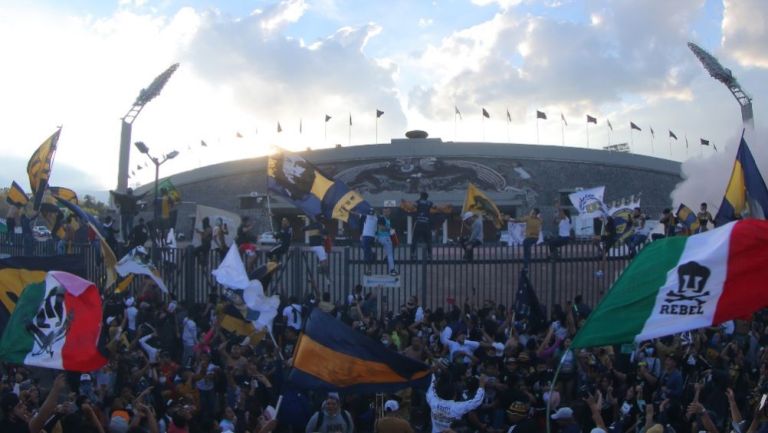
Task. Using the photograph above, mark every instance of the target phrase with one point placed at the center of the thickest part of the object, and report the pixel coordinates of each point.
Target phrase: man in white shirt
(369, 236)
(188, 339)
(446, 410)
(462, 348)
(292, 314)
(130, 313)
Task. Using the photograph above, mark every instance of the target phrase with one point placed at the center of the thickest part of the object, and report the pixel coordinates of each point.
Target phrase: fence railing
(443, 279)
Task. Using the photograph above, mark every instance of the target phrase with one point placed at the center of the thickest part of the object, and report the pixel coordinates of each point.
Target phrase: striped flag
(39, 167)
(681, 283)
(56, 324)
(16, 196)
(746, 189)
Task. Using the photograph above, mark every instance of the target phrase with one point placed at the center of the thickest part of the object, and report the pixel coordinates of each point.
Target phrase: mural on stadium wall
(415, 174)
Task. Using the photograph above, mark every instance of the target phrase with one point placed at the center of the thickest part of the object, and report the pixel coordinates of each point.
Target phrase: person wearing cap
(445, 409)
(331, 417)
(392, 421)
(518, 417)
(565, 421)
(475, 239)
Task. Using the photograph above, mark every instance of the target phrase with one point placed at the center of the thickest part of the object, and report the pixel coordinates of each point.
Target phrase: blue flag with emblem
(687, 217)
(302, 184)
(746, 189)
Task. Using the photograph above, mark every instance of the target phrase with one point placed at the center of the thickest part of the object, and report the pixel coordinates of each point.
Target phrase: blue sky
(245, 65)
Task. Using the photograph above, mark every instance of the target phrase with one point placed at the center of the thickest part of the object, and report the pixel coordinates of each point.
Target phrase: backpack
(321, 417)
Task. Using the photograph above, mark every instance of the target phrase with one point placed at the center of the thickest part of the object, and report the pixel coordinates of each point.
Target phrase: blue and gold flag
(16, 196)
(39, 168)
(303, 185)
(332, 356)
(687, 217)
(746, 189)
(64, 194)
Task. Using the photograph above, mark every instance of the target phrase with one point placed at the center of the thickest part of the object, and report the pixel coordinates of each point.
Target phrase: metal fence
(436, 282)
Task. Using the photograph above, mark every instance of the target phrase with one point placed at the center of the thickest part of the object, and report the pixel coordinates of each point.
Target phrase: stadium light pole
(142, 148)
(725, 76)
(145, 95)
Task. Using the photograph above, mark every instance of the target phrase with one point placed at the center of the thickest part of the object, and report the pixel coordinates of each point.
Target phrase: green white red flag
(56, 324)
(682, 283)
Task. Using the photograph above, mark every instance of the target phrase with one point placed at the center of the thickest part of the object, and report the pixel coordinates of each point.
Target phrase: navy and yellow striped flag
(39, 167)
(746, 189)
(306, 187)
(16, 196)
(64, 194)
(332, 356)
(687, 217)
(480, 204)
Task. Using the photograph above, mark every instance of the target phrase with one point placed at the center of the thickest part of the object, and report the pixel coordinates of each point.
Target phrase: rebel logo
(690, 296)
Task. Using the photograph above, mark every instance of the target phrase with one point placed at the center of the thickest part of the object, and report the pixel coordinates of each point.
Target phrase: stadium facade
(516, 176)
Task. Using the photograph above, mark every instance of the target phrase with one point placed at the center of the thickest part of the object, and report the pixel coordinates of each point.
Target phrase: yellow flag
(478, 203)
(122, 285)
(39, 167)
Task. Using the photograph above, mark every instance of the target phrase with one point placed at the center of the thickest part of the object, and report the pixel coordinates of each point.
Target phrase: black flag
(457, 112)
(672, 135)
(485, 113)
(591, 119)
(527, 303)
(704, 142)
(633, 126)
(541, 115)
(327, 118)
(379, 113)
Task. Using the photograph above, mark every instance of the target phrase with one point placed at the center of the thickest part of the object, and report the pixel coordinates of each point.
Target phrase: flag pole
(454, 124)
(587, 134)
(652, 151)
(482, 124)
(377, 130)
(325, 132)
(562, 133)
(552, 388)
(632, 141)
(349, 138)
(670, 146)
(537, 128)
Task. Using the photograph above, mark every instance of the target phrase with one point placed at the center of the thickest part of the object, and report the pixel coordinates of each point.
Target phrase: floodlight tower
(725, 76)
(145, 95)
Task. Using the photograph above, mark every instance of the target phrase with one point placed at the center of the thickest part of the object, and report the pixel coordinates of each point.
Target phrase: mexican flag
(682, 283)
(56, 324)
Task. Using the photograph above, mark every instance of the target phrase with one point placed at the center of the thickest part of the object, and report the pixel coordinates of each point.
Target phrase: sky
(246, 65)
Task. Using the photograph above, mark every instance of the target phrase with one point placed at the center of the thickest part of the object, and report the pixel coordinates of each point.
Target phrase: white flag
(137, 262)
(589, 202)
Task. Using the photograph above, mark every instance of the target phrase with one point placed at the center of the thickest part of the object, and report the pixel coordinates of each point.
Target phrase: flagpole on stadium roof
(587, 133)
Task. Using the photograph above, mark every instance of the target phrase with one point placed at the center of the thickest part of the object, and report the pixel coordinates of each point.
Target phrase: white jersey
(444, 412)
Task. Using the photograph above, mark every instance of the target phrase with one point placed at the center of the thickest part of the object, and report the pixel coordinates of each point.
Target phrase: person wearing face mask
(649, 366)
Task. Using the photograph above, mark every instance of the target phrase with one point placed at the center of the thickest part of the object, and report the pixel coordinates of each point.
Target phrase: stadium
(516, 176)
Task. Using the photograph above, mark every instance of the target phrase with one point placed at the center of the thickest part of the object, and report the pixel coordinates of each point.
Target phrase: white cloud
(745, 31)
(425, 22)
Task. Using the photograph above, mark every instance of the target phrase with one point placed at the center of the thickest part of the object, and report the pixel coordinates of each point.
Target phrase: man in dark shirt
(284, 237)
(422, 229)
(139, 234)
(316, 232)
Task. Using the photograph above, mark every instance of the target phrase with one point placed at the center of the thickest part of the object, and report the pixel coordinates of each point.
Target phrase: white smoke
(706, 177)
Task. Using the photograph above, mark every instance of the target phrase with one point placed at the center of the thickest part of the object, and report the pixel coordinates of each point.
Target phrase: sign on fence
(388, 281)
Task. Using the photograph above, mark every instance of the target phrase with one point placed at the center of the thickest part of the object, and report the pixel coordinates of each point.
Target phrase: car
(267, 238)
(41, 232)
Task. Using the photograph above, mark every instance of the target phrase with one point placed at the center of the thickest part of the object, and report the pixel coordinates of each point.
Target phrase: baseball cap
(85, 377)
(334, 395)
(518, 408)
(597, 430)
(563, 413)
(391, 406)
(467, 215)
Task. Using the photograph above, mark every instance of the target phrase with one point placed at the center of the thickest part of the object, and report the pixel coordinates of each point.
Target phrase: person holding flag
(475, 224)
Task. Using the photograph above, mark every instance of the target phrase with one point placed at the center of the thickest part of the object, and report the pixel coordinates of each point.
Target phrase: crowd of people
(176, 367)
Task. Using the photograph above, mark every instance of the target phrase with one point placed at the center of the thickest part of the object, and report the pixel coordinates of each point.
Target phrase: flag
(124, 284)
(672, 135)
(686, 141)
(173, 193)
(541, 115)
(527, 304)
(622, 218)
(379, 113)
(509, 116)
(485, 114)
(301, 126)
(746, 189)
(350, 119)
(687, 217)
(457, 112)
(245, 294)
(16, 196)
(327, 118)
(264, 273)
(704, 142)
(39, 168)
(589, 202)
(110, 260)
(562, 117)
(279, 128)
(653, 134)
(331, 355)
(683, 283)
(233, 322)
(633, 126)
(477, 202)
(18, 272)
(56, 324)
(203, 143)
(137, 262)
(238, 135)
(65, 194)
(302, 184)
(591, 119)
(609, 124)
